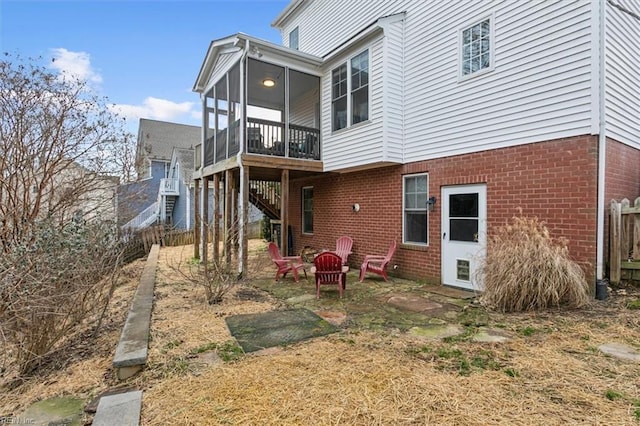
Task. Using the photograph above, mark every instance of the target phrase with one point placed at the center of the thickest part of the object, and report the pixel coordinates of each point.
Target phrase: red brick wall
(555, 180)
(622, 171)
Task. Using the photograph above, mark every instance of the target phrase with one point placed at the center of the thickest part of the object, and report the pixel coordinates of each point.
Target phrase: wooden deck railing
(264, 137)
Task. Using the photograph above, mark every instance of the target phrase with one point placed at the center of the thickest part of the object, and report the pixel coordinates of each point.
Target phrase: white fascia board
(214, 50)
(281, 51)
(245, 43)
(278, 22)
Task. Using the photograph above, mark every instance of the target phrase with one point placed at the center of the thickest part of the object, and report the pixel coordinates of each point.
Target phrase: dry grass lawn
(550, 372)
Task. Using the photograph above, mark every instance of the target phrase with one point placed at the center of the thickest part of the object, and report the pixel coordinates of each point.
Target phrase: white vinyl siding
(340, 148)
(622, 68)
(224, 63)
(539, 89)
(302, 110)
(393, 92)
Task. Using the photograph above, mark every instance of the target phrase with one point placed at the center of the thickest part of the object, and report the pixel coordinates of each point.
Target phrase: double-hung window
(339, 97)
(307, 210)
(414, 221)
(476, 48)
(360, 88)
(293, 39)
(350, 92)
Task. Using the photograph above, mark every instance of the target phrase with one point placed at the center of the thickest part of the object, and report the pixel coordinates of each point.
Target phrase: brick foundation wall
(622, 172)
(554, 180)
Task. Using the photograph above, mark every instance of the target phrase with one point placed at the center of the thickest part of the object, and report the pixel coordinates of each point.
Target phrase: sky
(142, 55)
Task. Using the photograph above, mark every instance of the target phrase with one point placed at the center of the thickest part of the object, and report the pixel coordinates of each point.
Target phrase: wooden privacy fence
(624, 241)
(165, 236)
(159, 234)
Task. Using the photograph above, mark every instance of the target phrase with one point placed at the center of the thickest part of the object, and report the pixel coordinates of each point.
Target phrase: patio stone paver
(620, 351)
(301, 299)
(334, 317)
(437, 331)
(413, 303)
(491, 335)
(258, 331)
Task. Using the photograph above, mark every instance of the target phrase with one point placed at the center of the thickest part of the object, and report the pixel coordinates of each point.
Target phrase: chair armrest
(370, 257)
(292, 258)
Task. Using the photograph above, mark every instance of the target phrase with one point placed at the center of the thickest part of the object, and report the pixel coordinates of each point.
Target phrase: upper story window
(476, 48)
(339, 97)
(293, 39)
(352, 109)
(414, 221)
(360, 87)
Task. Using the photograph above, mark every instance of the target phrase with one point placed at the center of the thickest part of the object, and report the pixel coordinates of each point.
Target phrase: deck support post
(284, 209)
(196, 213)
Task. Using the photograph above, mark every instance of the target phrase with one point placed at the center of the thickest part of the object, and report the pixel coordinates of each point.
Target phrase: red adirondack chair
(343, 248)
(377, 264)
(328, 269)
(286, 263)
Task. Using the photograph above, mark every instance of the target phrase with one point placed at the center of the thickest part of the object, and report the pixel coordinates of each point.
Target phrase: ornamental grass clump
(525, 269)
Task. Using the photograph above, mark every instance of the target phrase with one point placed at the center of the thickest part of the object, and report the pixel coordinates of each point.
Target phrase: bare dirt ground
(549, 372)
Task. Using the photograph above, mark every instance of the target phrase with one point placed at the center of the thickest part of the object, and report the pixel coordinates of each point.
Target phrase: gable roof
(156, 139)
(184, 156)
(241, 42)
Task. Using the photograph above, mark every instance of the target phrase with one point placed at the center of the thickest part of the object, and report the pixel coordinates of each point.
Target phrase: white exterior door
(464, 231)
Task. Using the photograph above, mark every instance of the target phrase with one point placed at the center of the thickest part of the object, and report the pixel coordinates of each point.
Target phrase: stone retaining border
(131, 352)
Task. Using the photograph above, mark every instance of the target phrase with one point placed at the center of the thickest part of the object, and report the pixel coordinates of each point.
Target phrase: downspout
(602, 142)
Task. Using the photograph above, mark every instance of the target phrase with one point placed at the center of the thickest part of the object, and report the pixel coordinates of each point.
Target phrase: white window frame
(492, 51)
(349, 91)
(404, 209)
(302, 221)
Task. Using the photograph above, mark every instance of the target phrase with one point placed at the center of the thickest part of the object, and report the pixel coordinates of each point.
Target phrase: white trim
(492, 49)
(404, 180)
(596, 55)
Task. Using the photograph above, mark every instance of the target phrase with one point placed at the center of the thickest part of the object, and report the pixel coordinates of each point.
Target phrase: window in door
(307, 210)
(415, 217)
(463, 217)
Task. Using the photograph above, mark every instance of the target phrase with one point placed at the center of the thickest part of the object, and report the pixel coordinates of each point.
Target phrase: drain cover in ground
(258, 331)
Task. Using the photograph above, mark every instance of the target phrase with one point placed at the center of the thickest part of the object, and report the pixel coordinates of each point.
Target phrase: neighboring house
(75, 192)
(431, 123)
(163, 150)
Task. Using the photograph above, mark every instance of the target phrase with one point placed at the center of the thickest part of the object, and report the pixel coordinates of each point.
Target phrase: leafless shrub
(215, 278)
(218, 277)
(525, 269)
(58, 252)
